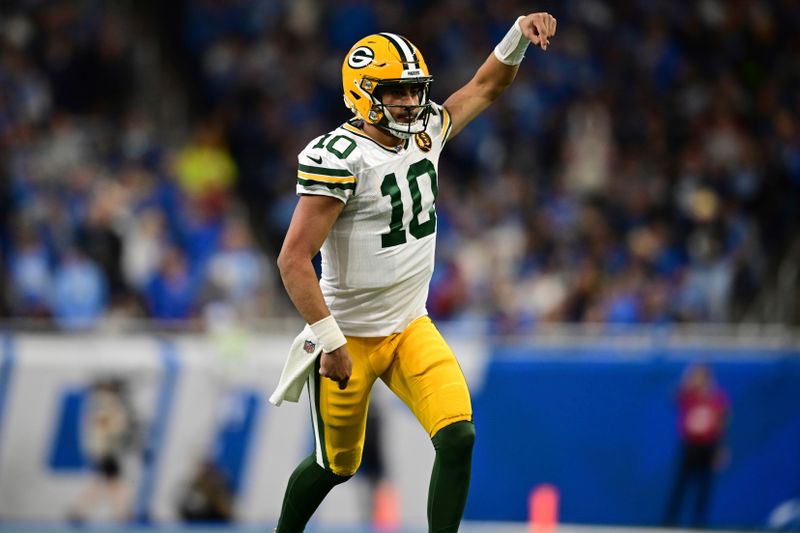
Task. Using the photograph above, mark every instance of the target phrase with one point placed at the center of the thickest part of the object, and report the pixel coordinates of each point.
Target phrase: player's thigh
(339, 416)
(427, 377)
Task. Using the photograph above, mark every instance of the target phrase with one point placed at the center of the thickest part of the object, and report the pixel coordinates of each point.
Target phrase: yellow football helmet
(382, 60)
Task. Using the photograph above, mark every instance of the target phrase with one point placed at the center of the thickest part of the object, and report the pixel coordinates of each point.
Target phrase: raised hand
(539, 27)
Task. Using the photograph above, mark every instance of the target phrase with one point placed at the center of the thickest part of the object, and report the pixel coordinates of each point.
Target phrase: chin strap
(398, 133)
(397, 128)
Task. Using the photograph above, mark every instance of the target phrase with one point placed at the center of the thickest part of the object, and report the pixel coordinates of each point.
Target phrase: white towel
(299, 364)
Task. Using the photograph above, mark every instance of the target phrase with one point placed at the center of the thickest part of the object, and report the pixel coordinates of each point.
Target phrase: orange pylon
(543, 509)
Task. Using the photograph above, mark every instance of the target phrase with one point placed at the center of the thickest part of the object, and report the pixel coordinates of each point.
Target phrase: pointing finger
(541, 30)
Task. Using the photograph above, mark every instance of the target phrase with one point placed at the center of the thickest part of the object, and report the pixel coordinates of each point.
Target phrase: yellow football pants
(417, 365)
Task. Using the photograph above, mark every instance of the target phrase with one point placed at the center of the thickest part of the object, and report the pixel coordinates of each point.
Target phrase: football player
(367, 194)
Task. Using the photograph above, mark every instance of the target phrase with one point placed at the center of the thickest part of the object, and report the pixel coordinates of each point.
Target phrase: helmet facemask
(379, 62)
(401, 120)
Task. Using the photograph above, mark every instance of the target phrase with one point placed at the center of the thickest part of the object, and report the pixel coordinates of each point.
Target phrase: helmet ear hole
(355, 95)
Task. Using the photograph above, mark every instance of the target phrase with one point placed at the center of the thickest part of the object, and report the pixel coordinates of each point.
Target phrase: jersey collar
(352, 128)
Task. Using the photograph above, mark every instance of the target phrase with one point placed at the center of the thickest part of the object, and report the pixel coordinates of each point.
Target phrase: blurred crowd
(645, 169)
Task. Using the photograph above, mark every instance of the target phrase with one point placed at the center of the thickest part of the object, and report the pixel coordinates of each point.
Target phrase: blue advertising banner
(603, 429)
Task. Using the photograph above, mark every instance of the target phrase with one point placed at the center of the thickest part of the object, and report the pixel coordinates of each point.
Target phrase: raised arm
(499, 69)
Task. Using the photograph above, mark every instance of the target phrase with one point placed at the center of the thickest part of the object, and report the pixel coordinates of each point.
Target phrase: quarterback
(367, 202)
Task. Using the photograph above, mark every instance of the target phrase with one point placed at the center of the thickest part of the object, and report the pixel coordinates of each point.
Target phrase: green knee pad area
(449, 486)
(455, 441)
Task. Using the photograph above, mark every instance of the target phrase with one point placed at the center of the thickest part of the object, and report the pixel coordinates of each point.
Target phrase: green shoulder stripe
(310, 183)
(322, 171)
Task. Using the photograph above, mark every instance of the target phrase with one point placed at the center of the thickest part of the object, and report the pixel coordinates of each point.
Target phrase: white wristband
(328, 333)
(511, 49)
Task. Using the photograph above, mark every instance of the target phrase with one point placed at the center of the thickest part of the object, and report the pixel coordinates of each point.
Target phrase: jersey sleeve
(324, 172)
(441, 124)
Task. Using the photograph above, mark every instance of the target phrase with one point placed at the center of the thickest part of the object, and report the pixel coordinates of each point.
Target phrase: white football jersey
(377, 260)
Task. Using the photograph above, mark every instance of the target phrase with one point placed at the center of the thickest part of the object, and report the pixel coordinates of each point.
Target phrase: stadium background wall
(598, 422)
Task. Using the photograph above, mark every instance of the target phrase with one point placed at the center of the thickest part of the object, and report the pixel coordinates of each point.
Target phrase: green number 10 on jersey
(391, 188)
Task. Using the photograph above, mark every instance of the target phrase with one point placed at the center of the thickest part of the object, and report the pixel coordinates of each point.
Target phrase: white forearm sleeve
(511, 49)
(328, 333)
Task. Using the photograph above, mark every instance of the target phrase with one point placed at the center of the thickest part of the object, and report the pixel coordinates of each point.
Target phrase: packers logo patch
(361, 57)
(423, 140)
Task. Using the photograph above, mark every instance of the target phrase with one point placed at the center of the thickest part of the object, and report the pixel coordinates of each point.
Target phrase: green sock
(307, 487)
(449, 486)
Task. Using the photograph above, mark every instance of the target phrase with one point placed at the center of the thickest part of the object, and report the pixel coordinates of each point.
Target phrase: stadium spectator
(98, 239)
(703, 414)
(30, 278)
(236, 270)
(207, 498)
(143, 246)
(80, 294)
(173, 293)
(205, 170)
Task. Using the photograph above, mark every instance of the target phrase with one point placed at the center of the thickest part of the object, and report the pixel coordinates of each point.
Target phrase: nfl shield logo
(309, 347)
